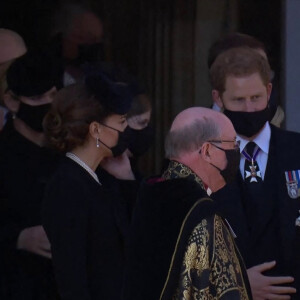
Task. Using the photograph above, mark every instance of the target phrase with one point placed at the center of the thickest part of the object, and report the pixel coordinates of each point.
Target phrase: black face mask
(233, 162)
(90, 53)
(123, 141)
(141, 140)
(248, 123)
(33, 115)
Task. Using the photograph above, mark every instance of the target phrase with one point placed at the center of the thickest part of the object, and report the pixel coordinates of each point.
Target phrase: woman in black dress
(85, 221)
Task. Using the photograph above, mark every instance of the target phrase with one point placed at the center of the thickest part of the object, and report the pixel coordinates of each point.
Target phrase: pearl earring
(97, 143)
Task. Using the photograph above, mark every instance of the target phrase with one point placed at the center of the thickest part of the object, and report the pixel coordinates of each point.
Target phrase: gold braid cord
(179, 170)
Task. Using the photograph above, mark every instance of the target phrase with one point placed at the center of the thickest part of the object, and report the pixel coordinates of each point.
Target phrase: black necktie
(253, 185)
(252, 173)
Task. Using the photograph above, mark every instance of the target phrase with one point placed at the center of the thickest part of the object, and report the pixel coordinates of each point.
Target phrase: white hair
(191, 137)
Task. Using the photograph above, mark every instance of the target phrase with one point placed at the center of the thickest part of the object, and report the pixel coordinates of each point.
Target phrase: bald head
(190, 115)
(11, 45)
(192, 127)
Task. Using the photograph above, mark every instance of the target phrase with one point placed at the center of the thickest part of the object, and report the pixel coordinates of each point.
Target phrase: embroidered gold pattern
(210, 268)
(178, 170)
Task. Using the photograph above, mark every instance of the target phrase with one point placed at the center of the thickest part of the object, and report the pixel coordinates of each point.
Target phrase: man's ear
(205, 152)
(10, 102)
(216, 98)
(94, 130)
(269, 90)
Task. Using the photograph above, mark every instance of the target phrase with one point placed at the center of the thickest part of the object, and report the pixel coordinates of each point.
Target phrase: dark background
(32, 19)
(132, 39)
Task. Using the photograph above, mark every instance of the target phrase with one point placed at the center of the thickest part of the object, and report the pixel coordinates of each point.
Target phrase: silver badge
(292, 188)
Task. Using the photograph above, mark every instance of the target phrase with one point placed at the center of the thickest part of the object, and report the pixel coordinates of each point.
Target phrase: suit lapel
(266, 205)
(229, 201)
(277, 202)
(287, 207)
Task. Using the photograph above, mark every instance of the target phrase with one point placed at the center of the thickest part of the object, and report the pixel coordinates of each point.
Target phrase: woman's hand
(35, 240)
(119, 166)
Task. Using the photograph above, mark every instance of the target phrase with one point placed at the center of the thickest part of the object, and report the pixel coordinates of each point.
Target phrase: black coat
(274, 235)
(162, 209)
(125, 190)
(24, 171)
(86, 226)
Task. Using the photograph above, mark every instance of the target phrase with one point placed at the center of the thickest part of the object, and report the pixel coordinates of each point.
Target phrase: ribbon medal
(252, 172)
(293, 183)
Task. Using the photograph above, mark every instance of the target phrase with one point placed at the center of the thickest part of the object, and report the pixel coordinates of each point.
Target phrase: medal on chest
(293, 183)
(252, 172)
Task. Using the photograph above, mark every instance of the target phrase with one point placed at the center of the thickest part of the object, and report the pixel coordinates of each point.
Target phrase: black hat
(34, 74)
(115, 96)
(117, 73)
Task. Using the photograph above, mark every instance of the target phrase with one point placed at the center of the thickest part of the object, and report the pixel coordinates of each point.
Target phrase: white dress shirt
(263, 142)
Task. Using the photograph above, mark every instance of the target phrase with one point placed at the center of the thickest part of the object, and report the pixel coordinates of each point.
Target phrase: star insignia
(253, 174)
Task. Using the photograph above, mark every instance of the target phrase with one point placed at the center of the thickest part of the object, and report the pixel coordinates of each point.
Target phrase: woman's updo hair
(66, 125)
(75, 107)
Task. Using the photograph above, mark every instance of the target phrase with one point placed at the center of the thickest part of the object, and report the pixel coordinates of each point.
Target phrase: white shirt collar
(216, 107)
(209, 191)
(262, 140)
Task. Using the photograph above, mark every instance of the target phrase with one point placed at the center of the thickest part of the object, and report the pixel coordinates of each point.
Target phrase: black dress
(24, 171)
(86, 225)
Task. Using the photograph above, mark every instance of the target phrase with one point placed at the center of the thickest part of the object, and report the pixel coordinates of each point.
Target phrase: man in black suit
(263, 204)
(236, 40)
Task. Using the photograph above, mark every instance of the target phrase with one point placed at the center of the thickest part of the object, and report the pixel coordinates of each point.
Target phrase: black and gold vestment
(180, 247)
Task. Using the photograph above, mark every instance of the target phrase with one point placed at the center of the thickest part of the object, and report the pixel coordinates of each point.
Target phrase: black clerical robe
(180, 247)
